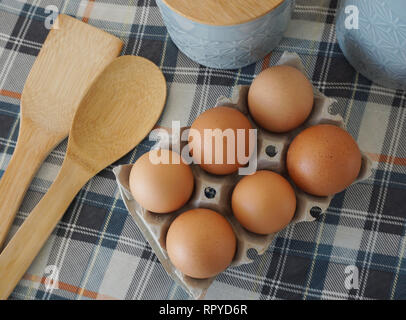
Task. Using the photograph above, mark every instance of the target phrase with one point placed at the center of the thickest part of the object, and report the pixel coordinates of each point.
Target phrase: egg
(323, 160)
(163, 187)
(280, 98)
(201, 243)
(205, 148)
(264, 202)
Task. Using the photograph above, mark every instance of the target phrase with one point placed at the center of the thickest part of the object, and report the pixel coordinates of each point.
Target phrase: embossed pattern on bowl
(377, 49)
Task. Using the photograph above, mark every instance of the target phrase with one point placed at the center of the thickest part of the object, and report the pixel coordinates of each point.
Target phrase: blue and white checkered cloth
(98, 249)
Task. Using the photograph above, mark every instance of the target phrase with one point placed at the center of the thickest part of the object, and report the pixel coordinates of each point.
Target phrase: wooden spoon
(118, 111)
(70, 59)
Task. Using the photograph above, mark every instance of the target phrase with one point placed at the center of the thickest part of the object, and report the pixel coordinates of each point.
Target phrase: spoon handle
(22, 249)
(33, 146)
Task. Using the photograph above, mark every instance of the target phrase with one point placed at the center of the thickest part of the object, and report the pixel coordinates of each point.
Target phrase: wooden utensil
(70, 59)
(117, 112)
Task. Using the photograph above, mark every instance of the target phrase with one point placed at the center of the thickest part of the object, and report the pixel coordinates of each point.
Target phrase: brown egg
(323, 160)
(161, 188)
(280, 98)
(264, 202)
(222, 118)
(201, 243)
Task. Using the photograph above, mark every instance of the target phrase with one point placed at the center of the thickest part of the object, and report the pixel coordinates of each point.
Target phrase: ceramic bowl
(230, 46)
(377, 49)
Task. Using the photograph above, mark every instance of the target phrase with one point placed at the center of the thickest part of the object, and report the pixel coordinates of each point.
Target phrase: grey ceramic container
(377, 49)
(227, 47)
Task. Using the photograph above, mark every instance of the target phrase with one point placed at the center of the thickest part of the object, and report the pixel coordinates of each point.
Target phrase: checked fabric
(98, 249)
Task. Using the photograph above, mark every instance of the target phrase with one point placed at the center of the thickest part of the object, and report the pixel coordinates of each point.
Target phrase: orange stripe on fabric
(88, 10)
(69, 288)
(387, 159)
(11, 94)
(267, 60)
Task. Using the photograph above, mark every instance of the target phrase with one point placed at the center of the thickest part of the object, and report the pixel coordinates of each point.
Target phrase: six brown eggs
(322, 160)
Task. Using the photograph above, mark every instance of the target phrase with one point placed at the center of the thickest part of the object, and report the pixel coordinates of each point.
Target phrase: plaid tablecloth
(97, 247)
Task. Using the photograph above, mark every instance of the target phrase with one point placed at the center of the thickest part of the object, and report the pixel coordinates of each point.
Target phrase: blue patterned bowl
(227, 47)
(377, 49)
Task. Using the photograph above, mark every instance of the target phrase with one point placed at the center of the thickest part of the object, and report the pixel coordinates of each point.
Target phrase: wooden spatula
(118, 111)
(70, 59)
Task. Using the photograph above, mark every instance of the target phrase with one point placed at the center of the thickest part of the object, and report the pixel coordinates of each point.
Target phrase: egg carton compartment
(214, 192)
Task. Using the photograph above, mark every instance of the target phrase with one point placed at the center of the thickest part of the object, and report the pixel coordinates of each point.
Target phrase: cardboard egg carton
(214, 192)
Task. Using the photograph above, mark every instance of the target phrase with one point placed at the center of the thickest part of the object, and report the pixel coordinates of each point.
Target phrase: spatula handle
(20, 252)
(32, 148)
